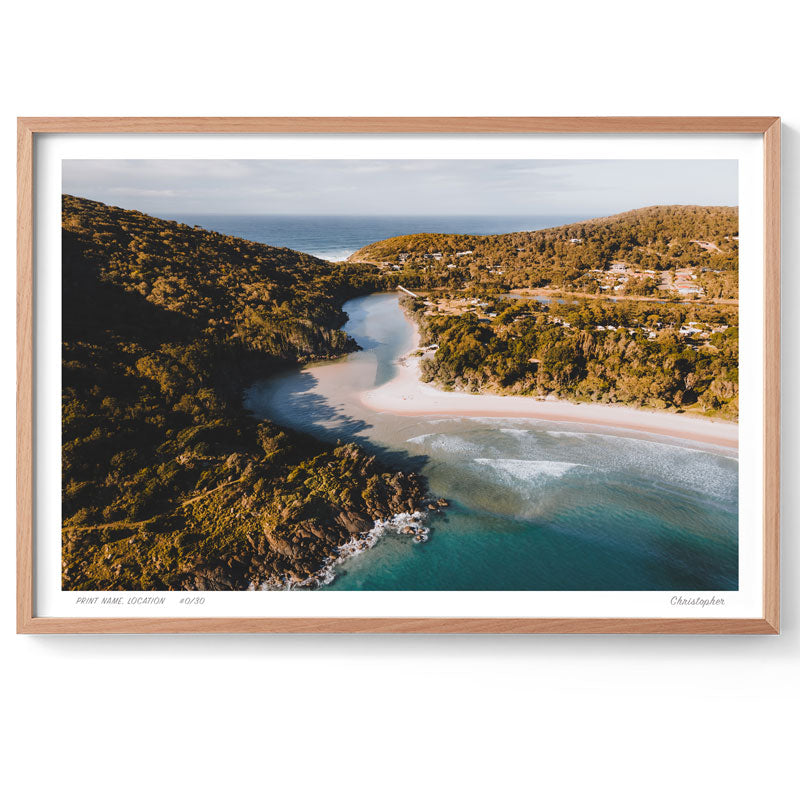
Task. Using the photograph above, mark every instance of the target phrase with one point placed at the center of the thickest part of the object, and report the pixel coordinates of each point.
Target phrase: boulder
(353, 522)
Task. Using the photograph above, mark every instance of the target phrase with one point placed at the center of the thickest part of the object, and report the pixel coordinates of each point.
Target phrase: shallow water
(535, 505)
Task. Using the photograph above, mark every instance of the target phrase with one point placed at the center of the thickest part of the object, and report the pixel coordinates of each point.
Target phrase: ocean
(534, 505)
(334, 238)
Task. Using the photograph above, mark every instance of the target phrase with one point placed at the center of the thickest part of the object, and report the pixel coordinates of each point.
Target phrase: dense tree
(167, 482)
(630, 352)
(659, 238)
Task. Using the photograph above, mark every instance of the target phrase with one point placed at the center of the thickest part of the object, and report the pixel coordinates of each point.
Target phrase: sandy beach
(407, 395)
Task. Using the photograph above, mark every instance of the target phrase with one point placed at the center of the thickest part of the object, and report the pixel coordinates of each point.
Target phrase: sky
(401, 187)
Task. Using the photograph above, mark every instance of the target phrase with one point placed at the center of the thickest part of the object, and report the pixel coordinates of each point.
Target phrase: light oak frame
(28, 128)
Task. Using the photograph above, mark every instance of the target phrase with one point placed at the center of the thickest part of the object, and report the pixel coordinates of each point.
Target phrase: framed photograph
(388, 375)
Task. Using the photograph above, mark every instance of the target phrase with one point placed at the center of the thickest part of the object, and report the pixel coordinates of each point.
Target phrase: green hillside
(574, 257)
(167, 482)
(669, 341)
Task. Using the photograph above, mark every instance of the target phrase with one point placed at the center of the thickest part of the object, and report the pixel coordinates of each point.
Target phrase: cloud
(134, 191)
(400, 186)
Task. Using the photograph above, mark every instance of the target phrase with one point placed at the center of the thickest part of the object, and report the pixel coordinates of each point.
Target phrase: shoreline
(407, 395)
(357, 544)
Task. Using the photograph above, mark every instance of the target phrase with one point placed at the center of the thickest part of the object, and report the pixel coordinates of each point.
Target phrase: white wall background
(638, 717)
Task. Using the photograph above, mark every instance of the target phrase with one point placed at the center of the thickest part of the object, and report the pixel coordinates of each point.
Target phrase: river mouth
(535, 504)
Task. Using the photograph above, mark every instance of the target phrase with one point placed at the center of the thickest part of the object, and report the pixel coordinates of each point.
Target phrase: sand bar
(407, 395)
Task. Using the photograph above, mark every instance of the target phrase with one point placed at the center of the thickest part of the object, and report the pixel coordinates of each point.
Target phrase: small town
(695, 334)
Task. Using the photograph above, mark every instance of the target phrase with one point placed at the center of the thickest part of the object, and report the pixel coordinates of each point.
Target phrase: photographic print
(344, 375)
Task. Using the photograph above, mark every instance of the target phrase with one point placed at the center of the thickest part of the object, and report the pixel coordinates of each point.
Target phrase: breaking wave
(448, 443)
(518, 432)
(531, 471)
(408, 524)
(420, 439)
(638, 439)
(332, 253)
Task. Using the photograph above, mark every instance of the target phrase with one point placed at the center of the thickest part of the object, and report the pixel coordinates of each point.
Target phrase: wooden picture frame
(30, 128)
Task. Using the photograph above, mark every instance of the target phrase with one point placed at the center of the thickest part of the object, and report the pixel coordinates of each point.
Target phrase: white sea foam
(495, 420)
(358, 544)
(700, 468)
(531, 471)
(567, 434)
(637, 440)
(420, 439)
(332, 253)
(448, 443)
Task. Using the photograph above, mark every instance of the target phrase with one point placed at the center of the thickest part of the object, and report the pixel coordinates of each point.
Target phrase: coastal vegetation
(167, 482)
(671, 251)
(668, 341)
(661, 356)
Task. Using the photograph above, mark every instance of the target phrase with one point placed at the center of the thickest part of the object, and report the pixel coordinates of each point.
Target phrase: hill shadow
(328, 423)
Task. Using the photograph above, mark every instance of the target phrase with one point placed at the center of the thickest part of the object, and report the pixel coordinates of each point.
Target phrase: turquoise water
(535, 505)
